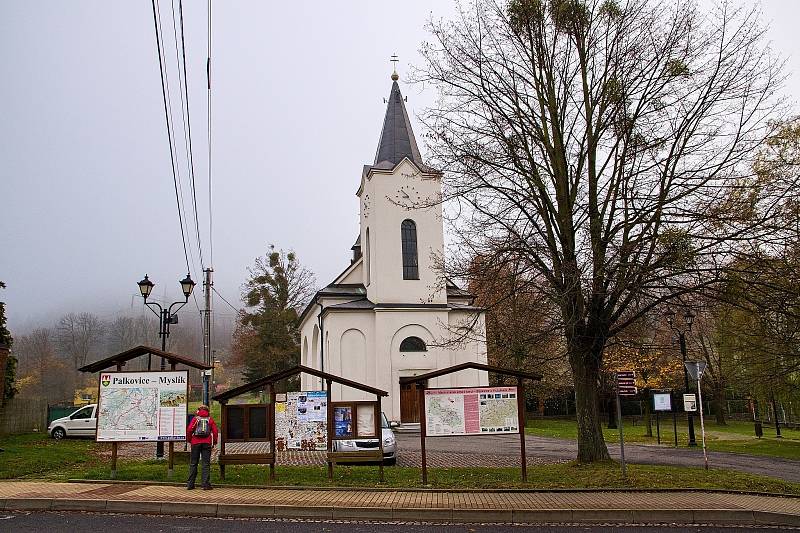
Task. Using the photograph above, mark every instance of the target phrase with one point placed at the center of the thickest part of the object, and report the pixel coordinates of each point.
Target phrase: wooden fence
(23, 415)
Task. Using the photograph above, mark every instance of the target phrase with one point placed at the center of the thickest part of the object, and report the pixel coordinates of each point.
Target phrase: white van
(81, 423)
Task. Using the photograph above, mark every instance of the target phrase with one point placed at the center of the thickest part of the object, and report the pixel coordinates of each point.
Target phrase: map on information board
(142, 406)
(301, 421)
(471, 411)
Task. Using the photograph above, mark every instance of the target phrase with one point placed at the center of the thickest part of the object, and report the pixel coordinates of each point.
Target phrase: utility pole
(207, 357)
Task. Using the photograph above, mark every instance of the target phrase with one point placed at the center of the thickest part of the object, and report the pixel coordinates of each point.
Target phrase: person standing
(203, 435)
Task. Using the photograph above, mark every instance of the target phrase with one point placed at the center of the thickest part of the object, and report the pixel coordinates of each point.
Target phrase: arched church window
(413, 344)
(367, 262)
(408, 234)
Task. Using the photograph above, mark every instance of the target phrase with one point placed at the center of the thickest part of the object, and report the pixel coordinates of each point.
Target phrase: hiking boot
(189, 487)
(207, 487)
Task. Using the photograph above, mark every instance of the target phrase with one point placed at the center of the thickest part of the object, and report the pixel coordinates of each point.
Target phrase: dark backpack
(203, 427)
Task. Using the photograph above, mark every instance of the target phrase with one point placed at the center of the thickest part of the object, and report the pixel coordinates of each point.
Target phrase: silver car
(389, 443)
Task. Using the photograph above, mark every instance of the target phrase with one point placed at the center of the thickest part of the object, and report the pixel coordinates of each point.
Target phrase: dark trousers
(199, 450)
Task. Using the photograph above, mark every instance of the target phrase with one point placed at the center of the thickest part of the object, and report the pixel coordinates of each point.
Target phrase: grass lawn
(605, 475)
(35, 456)
(737, 437)
(38, 456)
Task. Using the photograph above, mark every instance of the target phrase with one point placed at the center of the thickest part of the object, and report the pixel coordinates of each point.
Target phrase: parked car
(389, 443)
(81, 423)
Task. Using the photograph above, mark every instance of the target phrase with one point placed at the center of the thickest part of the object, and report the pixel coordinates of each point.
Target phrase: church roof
(397, 138)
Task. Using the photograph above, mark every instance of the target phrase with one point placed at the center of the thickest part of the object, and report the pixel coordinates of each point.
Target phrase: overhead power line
(226, 301)
(187, 122)
(167, 116)
(208, 78)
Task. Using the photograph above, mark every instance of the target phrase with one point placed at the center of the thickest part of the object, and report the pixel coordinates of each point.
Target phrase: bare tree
(126, 332)
(608, 143)
(40, 372)
(80, 336)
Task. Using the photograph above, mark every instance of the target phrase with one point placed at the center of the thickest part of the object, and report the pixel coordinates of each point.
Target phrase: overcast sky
(87, 202)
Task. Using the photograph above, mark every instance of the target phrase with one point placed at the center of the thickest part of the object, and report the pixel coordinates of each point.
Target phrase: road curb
(445, 514)
(439, 490)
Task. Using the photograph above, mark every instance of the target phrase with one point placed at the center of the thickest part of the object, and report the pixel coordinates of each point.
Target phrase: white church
(386, 316)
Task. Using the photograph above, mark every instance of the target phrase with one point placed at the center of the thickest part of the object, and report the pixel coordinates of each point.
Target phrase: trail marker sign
(626, 383)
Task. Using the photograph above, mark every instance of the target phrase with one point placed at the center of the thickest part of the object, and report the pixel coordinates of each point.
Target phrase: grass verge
(37, 455)
(736, 437)
(556, 476)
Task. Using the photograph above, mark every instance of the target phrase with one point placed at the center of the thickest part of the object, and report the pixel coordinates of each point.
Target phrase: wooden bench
(360, 456)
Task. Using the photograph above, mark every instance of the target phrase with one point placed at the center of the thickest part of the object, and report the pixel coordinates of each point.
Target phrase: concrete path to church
(405, 505)
(465, 451)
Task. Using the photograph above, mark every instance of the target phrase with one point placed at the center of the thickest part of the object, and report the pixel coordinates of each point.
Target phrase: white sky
(87, 204)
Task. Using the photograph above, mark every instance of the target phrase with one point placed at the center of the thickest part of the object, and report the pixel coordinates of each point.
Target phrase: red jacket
(193, 439)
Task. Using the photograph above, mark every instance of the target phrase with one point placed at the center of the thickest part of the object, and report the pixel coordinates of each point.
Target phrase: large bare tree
(80, 336)
(607, 142)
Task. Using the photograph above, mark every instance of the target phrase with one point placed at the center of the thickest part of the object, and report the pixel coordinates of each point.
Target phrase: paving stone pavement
(410, 456)
(465, 506)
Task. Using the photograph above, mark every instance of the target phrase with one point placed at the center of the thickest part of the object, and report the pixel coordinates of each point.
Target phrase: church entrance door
(409, 403)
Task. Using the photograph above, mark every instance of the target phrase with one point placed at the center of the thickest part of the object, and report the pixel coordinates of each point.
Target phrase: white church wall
(472, 350)
(385, 191)
(349, 353)
(353, 359)
(392, 326)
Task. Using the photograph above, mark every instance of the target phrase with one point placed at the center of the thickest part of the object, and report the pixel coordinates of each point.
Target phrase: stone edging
(521, 516)
(432, 490)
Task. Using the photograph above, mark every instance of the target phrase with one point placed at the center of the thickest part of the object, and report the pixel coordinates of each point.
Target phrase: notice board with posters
(301, 421)
(471, 411)
(142, 406)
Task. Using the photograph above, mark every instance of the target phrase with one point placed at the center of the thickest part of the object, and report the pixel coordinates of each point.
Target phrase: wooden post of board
(113, 444)
(422, 431)
(521, 417)
(330, 428)
(113, 460)
(171, 467)
(224, 433)
(271, 422)
(379, 431)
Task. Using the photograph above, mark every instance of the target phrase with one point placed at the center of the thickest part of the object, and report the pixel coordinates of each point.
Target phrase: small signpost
(689, 403)
(662, 401)
(625, 381)
(696, 369)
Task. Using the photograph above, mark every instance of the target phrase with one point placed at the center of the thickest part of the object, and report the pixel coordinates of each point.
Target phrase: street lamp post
(688, 318)
(166, 316)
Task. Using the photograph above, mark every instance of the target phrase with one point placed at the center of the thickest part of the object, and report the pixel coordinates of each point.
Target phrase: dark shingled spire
(397, 138)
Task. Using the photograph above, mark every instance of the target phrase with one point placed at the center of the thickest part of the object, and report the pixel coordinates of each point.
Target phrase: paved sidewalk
(680, 507)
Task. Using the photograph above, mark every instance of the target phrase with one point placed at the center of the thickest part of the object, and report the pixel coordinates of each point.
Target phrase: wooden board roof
(139, 351)
(467, 366)
(298, 369)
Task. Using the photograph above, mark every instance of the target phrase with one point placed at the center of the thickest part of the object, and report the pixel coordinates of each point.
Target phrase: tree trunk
(611, 408)
(648, 417)
(586, 374)
(719, 403)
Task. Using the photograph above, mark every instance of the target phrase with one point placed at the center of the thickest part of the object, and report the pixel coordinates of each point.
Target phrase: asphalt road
(555, 450)
(102, 523)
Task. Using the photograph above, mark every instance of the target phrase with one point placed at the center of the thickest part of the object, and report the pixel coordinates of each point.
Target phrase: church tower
(385, 317)
(401, 236)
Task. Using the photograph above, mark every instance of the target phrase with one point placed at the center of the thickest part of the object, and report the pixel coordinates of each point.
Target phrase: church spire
(397, 138)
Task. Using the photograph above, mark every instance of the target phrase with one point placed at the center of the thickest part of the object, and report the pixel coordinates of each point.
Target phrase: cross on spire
(394, 61)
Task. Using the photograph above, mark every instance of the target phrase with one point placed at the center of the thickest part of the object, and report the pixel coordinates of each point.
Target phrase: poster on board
(142, 406)
(471, 411)
(301, 421)
(662, 401)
